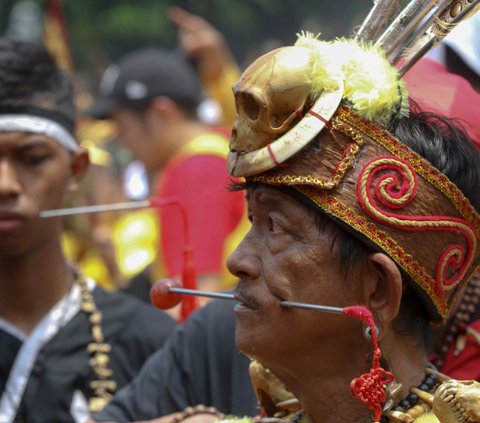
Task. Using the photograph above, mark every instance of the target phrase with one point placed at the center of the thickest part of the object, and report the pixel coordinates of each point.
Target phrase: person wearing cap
(66, 345)
(152, 95)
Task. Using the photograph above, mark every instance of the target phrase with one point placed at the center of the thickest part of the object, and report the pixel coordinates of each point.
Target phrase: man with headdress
(354, 198)
(66, 345)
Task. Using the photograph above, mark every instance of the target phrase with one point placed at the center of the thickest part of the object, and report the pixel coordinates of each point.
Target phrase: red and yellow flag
(55, 35)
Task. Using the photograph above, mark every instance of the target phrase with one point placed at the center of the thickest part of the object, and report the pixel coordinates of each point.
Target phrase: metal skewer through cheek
(188, 274)
(101, 208)
(165, 293)
(169, 294)
(231, 297)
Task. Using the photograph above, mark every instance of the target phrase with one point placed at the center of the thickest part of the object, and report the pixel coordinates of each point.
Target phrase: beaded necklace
(407, 409)
(412, 406)
(459, 321)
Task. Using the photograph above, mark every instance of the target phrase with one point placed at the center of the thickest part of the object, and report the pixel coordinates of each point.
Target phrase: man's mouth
(10, 221)
(245, 298)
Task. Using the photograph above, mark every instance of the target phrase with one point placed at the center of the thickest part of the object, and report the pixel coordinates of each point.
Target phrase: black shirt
(199, 364)
(133, 329)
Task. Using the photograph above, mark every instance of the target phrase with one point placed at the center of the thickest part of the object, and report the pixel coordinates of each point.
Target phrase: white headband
(38, 125)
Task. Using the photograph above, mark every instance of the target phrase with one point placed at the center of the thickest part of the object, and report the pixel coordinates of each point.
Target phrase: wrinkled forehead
(266, 194)
(281, 199)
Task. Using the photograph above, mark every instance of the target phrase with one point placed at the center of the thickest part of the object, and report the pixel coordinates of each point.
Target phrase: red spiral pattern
(387, 184)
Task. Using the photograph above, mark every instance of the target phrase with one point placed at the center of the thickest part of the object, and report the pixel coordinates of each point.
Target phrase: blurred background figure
(152, 95)
(208, 51)
(118, 248)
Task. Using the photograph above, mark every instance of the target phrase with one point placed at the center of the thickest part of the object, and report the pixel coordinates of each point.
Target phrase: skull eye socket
(250, 105)
(276, 121)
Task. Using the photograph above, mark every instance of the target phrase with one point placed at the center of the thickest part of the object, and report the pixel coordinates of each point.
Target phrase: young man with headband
(66, 344)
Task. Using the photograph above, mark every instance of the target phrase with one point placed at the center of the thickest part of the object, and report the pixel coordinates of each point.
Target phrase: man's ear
(78, 167)
(164, 108)
(382, 289)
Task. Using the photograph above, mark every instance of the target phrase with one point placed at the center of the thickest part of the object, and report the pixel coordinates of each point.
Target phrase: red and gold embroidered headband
(355, 170)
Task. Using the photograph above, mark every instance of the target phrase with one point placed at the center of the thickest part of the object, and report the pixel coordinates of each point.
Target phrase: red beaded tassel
(370, 387)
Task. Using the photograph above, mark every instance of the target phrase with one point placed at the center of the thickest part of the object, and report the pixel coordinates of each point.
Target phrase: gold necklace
(102, 385)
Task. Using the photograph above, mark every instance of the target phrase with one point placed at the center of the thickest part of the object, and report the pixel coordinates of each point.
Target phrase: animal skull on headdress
(269, 96)
(458, 401)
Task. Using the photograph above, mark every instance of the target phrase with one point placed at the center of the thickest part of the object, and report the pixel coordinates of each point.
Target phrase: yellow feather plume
(371, 84)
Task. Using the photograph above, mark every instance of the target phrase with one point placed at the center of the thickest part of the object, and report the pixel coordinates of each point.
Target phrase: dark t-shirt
(133, 329)
(199, 364)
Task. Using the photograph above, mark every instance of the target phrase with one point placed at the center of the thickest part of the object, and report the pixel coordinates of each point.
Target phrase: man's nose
(9, 182)
(244, 263)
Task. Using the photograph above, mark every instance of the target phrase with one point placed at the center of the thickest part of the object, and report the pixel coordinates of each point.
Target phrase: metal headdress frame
(408, 35)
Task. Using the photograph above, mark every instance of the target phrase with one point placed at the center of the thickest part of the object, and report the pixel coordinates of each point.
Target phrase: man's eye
(272, 225)
(34, 159)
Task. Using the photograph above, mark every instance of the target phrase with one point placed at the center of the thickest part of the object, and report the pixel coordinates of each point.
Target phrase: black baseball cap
(142, 75)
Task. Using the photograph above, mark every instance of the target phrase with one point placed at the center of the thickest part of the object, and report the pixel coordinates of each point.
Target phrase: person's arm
(159, 389)
(207, 46)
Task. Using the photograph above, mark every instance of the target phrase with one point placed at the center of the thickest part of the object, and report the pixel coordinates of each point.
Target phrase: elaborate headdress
(343, 95)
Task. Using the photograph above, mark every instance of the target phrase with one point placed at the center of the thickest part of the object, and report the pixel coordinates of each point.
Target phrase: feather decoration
(371, 84)
(379, 16)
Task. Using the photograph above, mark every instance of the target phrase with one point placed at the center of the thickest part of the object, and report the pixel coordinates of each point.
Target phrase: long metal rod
(315, 307)
(395, 28)
(414, 30)
(220, 295)
(96, 209)
(288, 304)
(379, 15)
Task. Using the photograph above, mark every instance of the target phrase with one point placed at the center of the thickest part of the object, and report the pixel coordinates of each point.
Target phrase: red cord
(370, 387)
(189, 303)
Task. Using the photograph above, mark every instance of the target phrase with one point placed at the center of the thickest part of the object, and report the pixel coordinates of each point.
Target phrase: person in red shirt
(152, 95)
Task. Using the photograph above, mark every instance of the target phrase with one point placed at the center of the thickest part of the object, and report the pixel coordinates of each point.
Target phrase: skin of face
(285, 257)
(316, 355)
(133, 134)
(36, 173)
(138, 135)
